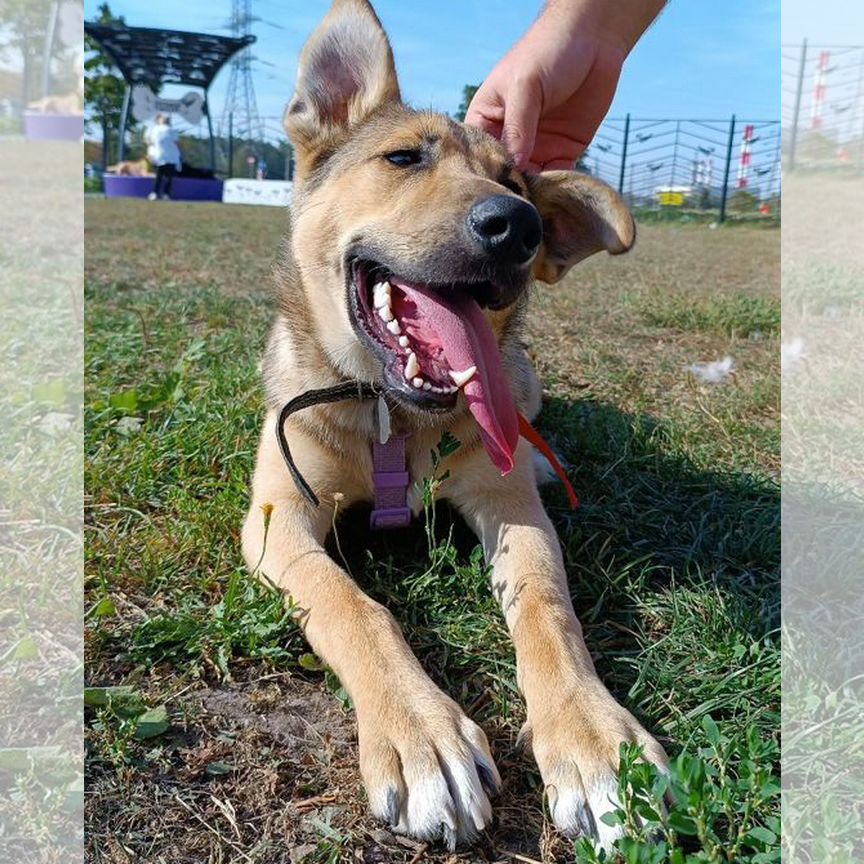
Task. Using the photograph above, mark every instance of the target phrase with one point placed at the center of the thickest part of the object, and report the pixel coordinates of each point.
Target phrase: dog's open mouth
(435, 342)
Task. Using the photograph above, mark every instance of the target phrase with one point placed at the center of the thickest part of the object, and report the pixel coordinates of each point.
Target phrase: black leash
(338, 393)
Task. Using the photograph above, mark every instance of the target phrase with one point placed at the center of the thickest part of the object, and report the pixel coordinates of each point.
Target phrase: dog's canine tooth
(412, 367)
(394, 327)
(460, 379)
(403, 341)
(418, 382)
(381, 294)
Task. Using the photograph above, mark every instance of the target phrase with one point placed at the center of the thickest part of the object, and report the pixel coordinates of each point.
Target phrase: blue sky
(701, 59)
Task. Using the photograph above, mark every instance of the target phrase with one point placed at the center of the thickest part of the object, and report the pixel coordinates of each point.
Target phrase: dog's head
(414, 234)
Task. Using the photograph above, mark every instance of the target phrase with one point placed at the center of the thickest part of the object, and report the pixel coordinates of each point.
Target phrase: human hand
(550, 92)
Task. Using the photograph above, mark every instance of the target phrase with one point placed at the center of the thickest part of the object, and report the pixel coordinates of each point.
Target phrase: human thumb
(521, 115)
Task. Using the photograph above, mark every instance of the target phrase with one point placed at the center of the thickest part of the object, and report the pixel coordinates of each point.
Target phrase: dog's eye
(404, 158)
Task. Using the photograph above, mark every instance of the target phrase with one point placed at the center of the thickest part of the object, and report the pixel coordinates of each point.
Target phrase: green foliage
(742, 201)
(24, 25)
(103, 87)
(715, 806)
(468, 92)
(250, 620)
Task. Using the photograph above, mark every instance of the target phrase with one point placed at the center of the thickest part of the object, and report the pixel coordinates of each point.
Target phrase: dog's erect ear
(581, 216)
(346, 72)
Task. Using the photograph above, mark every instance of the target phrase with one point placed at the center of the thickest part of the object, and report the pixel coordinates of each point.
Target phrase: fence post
(210, 131)
(725, 192)
(624, 155)
(231, 144)
(675, 152)
(793, 139)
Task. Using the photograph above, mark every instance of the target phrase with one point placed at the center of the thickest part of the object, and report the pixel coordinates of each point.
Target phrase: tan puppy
(409, 217)
(69, 103)
(131, 168)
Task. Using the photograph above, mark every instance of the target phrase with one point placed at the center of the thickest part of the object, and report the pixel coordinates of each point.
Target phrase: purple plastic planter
(53, 127)
(182, 189)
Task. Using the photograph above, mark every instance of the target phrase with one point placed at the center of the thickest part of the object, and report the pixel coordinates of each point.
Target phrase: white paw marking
(602, 799)
(438, 789)
(579, 815)
(429, 810)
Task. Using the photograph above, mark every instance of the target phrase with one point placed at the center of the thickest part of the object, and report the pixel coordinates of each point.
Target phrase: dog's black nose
(507, 228)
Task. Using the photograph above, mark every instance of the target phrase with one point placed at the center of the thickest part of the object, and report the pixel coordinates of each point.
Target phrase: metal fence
(823, 107)
(723, 168)
(711, 168)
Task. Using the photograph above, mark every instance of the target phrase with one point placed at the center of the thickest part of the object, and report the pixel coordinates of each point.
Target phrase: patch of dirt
(303, 721)
(266, 771)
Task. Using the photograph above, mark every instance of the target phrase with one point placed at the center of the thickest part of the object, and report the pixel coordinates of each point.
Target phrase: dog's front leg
(424, 763)
(574, 724)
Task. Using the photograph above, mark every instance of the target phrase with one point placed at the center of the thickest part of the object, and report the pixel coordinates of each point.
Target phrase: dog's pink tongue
(467, 340)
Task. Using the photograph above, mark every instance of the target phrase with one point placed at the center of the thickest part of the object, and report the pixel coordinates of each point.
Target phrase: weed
(250, 620)
(717, 805)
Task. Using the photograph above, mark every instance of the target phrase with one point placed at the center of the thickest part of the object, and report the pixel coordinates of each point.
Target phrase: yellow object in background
(671, 199)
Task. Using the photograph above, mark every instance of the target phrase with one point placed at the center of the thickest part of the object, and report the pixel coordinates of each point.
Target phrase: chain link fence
(823, 107)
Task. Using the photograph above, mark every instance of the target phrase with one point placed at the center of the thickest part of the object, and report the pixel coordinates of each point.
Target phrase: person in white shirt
(164, 152)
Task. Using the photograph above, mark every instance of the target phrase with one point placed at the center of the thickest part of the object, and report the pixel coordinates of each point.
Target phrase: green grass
(673, 558)
(739, 314)
(823, 470)
(41, 785)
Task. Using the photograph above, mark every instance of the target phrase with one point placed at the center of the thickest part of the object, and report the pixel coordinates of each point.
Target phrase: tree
(468, 92)
(103, 88)
(26, 23)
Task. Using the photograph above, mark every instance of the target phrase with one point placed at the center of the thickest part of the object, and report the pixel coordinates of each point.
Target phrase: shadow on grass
(673, 570)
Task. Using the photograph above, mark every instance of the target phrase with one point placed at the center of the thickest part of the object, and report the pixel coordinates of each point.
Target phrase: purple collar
(390, 480)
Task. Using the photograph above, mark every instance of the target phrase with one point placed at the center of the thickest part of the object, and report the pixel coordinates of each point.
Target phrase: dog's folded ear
(581, 216)
(346, 71)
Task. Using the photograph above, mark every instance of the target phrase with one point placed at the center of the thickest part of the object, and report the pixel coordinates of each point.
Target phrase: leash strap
(390, 477)
(355, 389)
(530, 434)
(390, 480)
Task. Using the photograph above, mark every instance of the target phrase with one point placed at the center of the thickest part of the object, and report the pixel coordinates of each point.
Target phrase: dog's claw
(523, 740)
(448, 833)
(392, 807)
(585, 822)
(487, 778)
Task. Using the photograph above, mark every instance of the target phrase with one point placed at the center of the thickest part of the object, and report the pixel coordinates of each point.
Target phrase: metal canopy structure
(152, 56)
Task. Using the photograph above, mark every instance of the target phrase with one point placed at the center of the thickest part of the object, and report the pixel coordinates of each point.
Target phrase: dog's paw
(577, 751)
(428, 770)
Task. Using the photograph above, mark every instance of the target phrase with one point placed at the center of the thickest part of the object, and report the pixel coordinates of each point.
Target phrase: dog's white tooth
(427, 385)
(386, 314)
(460, 379)
(403, 341)
(450, 389)
(381, 294)
(394, 327)
(418, 382)
(412, 367)
(437, 389)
